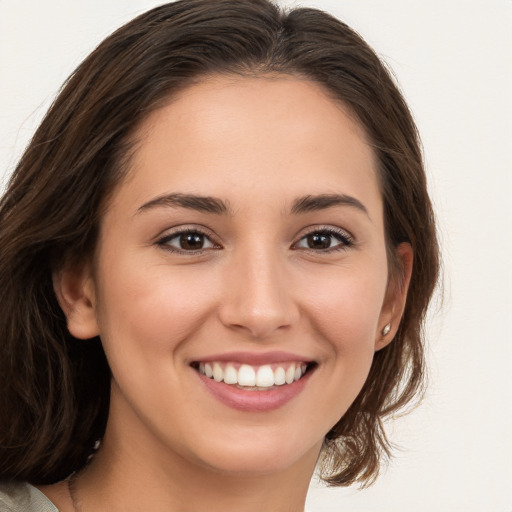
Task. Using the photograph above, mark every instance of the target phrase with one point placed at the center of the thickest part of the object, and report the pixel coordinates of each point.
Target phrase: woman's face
(247, 241)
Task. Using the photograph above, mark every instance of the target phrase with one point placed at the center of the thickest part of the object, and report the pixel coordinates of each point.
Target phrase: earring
(386, 329)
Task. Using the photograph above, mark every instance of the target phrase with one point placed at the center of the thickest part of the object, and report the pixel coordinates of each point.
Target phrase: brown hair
(55, 389)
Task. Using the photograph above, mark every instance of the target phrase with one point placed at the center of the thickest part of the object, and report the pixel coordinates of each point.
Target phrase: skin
(257, 144)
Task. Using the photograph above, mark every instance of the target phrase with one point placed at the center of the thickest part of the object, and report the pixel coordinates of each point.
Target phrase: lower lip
(254, 401)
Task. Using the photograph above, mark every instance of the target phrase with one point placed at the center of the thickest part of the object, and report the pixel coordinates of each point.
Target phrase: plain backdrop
(453, 61)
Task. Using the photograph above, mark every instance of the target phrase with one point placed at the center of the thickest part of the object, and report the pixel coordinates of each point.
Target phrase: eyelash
(164, 241)
(345, 239)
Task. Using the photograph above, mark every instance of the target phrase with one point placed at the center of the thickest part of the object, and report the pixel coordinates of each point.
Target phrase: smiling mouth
(254, 378)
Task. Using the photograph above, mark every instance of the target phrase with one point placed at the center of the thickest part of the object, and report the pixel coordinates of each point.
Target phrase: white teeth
(230, 375)
(290, 374)
(265, 376)
(218, 374)
(279, 376)
(261, 378)
(246, 376)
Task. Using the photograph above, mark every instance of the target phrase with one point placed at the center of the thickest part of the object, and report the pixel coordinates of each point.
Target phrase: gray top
(23, 497)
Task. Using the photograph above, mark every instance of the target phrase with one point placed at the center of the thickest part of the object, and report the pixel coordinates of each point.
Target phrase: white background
(453, 60)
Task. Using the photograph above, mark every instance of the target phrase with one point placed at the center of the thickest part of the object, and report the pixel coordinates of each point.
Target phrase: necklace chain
(72, 492)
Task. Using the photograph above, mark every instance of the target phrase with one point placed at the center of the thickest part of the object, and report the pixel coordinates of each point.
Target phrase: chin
(258, 457)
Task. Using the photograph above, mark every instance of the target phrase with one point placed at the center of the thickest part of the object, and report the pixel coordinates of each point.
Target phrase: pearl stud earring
(386, 329)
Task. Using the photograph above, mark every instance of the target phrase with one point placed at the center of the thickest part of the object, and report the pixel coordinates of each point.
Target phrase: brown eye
(325, 240)
(191, 241)
(319, 241)
(187, 241)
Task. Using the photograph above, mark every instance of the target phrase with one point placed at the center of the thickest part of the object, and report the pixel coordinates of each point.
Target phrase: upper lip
(255, 358)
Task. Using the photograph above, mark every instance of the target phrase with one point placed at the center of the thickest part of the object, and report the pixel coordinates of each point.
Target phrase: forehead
(275, 136)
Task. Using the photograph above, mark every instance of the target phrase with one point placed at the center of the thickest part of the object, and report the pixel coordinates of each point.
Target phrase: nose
(258, 298)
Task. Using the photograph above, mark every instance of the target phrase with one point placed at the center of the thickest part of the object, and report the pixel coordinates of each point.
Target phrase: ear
(396, 296)
(75, 292)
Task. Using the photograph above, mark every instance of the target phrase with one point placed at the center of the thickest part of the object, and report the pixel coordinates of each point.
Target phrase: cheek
(345, 307)
(152, 310)
(344, 314)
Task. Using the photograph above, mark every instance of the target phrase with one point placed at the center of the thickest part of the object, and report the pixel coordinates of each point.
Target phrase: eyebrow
(311, 203)
(205, 204)
(209, 204)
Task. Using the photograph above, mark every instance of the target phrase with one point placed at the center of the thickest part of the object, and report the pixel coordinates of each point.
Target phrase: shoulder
(23, 497)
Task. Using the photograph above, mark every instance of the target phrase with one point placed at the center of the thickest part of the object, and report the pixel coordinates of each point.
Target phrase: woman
(217, 253)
